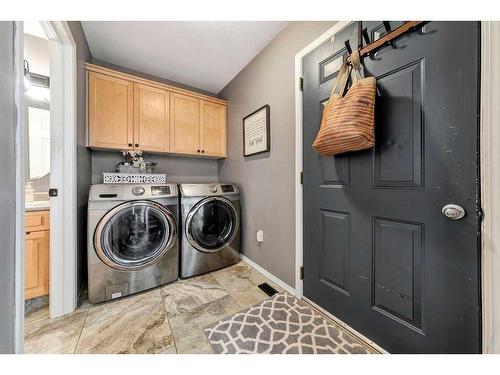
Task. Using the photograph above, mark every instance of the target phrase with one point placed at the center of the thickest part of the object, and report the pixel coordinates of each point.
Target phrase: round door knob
(198, 150)
(130, 145)
(137, 145)
(453, 212)
(202, 151)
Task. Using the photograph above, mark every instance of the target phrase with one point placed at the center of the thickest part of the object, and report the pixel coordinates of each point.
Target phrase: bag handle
(356, 64)
(340, 83)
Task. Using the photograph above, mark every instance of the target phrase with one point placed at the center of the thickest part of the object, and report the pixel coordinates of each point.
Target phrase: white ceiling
(205, 55)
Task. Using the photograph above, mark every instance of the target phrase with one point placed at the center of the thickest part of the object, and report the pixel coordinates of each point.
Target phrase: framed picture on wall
(257, 132)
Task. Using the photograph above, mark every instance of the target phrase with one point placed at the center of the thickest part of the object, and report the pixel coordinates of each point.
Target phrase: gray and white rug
(281, 325)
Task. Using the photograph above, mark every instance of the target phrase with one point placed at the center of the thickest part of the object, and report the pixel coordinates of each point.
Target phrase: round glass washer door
(135, 235)
(212, 224)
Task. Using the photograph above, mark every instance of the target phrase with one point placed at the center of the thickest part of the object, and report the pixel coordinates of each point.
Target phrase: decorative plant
(134, 158)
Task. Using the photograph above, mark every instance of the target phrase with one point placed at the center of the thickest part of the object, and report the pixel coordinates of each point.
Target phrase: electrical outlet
(260, 236)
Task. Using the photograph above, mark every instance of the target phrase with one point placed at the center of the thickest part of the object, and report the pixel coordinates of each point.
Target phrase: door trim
(63, 293)
(490, 176)
(490, 183)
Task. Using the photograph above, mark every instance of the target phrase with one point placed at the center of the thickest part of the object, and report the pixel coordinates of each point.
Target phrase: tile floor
(168, 319)
(165, 320)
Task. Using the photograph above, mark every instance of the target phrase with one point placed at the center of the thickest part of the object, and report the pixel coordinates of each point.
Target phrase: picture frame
(257, 131)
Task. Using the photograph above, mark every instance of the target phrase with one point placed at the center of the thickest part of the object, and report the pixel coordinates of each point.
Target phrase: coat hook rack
(388, 38)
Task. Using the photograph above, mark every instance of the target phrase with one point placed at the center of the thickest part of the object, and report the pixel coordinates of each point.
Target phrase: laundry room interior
(253, 187)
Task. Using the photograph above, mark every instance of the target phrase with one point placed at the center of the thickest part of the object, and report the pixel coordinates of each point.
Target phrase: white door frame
(63, 208)
(490, 175)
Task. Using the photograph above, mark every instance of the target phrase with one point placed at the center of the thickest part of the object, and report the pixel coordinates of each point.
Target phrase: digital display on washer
(160, 190)
(227, 188)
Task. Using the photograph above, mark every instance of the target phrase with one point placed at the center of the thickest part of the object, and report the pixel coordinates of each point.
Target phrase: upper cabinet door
(184, 124)
(151, 119)
(213, 129)
(110, 112)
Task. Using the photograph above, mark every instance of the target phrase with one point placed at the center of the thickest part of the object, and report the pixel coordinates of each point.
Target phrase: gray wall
(7, 187)
(178, 169)
(84, 160)
(267, 180)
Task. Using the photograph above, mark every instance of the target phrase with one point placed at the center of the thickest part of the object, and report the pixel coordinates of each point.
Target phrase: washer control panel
(227, 188)
(160, 190)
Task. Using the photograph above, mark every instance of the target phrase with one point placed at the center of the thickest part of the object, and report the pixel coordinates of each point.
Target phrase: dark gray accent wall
(7, 188)
(178, 169)
(84, 160)
(267, 180)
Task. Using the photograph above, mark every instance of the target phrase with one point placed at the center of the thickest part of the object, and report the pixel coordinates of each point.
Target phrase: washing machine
(132, 239)
(211, 217)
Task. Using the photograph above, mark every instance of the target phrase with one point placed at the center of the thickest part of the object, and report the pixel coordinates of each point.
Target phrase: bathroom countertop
(37, 206)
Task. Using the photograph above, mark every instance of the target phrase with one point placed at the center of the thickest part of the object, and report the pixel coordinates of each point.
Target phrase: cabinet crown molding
(144, 81)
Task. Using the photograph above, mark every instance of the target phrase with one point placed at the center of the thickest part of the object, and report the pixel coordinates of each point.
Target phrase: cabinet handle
(137, 145)
(130, 145)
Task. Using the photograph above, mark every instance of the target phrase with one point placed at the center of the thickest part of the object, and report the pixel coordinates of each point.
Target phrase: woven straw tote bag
(348, 121)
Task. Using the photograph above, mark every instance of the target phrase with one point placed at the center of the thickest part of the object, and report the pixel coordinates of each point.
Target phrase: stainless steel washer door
(212, 224)
(135, 235)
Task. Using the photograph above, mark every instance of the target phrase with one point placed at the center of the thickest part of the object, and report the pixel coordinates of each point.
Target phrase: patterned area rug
(280, 325)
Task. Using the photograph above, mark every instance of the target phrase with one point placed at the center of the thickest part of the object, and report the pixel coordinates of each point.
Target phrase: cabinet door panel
(213, 129)
(185, 124)
(36, 264)
(110, 112)
(151, 119)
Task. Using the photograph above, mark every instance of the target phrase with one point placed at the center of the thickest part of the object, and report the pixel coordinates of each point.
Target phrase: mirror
(39, 142)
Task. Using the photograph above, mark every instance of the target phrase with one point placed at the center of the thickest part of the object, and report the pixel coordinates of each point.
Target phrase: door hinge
(302, 178)
(301, 272)
(301, 84)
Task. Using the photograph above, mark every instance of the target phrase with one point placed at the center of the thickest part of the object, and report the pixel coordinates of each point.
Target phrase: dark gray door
(378, 252)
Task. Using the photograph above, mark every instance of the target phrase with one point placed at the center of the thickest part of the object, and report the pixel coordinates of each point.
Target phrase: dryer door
(212, 224)
(135, 235)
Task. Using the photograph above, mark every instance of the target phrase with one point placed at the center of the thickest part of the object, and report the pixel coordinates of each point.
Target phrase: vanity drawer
(36, 221)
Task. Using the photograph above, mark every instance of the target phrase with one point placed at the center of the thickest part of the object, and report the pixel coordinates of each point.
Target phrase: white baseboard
(269, 275)
(347, 327)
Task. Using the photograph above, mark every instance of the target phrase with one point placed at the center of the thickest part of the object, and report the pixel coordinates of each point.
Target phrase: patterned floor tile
(54, 336)
(139, 330)
(187, 328)
(36, 316)
(186, 295)
(116, 308)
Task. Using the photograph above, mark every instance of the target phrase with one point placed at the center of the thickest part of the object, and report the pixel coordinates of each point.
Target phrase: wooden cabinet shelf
(128, 112)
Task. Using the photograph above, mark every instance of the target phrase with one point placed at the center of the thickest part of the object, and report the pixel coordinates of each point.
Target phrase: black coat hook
(348, 47)
(365, 35)
(387, 27)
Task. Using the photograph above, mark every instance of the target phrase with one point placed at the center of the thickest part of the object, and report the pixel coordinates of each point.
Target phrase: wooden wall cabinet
(128, 112)
(151, 119)
(36, 254)
(213, 136)
(185, 129)
(110, 112)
